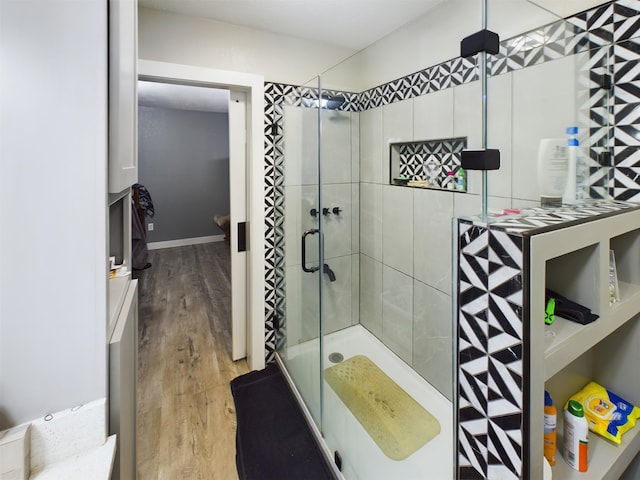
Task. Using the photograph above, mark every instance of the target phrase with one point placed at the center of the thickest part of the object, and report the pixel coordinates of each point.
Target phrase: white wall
(53, 131)
(173, 38)
(435, 38)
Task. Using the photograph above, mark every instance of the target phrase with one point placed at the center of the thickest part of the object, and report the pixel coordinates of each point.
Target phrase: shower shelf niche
(426, 163)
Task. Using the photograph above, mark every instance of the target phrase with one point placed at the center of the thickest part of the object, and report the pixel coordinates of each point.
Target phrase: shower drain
(336, 357)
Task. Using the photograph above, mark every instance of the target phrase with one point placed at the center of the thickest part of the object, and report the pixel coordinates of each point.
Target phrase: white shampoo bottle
(569, 195)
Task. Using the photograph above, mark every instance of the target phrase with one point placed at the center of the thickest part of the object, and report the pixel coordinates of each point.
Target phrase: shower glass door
(299, 335)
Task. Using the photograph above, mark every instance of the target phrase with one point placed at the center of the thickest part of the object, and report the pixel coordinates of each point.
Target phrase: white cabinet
(122, 292)
(123, 103)
(573, 261)
(123, 363)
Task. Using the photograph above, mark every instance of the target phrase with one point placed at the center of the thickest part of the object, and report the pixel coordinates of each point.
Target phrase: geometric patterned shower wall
(490, 353)
(609, 33)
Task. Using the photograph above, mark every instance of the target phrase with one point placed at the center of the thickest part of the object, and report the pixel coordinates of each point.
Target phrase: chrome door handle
(304, 251)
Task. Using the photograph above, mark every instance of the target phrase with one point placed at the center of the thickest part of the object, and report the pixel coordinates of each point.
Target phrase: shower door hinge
(482, 41)
(487, 159)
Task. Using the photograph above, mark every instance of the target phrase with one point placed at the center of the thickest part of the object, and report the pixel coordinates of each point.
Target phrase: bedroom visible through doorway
(185, 148)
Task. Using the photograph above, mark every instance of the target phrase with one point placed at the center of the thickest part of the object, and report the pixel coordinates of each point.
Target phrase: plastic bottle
(576, 436)
(552, 168)
(550, 424)
(451, 180)
(462, 180)
(569, 195)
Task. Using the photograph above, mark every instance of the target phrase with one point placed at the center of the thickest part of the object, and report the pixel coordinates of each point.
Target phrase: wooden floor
(186, 416)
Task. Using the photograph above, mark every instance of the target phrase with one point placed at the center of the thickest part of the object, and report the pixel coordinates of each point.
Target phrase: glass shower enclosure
(346, 311)
(369, 273)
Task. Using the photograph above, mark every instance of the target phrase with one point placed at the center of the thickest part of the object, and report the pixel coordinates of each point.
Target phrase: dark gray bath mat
(273, 440)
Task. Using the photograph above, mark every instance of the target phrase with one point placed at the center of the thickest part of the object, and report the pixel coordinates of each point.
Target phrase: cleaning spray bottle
(550, 424)
(462, 180)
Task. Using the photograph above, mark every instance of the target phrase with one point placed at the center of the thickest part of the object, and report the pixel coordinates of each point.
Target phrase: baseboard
(183, 242)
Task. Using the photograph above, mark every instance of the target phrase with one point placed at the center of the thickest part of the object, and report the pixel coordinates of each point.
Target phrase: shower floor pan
(362, 459)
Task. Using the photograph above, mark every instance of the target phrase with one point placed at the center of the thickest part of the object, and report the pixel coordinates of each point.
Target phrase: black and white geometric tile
(431, 159)
(490, 353)
(545, 218)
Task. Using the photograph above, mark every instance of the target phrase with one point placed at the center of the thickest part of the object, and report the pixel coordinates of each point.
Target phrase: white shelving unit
(574, 262)
(122, 293)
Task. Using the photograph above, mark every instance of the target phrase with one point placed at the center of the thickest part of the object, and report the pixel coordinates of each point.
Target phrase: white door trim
(238, 212)
(253, 85)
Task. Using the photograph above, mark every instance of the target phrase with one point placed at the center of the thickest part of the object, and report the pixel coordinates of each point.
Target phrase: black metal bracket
(482, 41)
(488, 159)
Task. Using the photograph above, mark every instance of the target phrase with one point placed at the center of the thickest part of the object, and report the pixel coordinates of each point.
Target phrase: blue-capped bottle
(573, 144)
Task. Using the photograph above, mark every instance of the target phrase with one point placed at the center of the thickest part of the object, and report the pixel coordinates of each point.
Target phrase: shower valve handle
(336, 210)
(325, 211)
(313, 212)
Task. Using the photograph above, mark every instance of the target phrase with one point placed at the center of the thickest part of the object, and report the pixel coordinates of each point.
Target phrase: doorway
(246, 192)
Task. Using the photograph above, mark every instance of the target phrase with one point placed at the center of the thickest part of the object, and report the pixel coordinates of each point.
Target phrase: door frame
(253, 86)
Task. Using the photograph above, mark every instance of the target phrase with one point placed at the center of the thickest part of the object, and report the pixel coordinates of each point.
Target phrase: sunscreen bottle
(550, 424)
(576, 436)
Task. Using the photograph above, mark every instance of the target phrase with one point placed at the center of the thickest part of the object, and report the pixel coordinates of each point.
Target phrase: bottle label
(549, 423)
(582, 455)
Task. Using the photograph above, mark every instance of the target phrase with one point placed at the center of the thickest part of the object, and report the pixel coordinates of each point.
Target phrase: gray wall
(184, 163)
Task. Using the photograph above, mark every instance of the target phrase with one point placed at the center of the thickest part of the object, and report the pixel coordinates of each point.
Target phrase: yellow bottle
(550, 424)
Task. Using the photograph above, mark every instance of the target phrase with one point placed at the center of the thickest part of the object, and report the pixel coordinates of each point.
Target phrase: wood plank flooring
(186, 415)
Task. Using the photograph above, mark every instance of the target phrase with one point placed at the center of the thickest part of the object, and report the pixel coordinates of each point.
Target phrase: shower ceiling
(347, 23)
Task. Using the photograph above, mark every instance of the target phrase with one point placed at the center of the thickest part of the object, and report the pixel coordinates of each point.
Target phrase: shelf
(627, 291)
(426, 162)
(117, 291)
(572, 339)
(607, 460)
(116, 197)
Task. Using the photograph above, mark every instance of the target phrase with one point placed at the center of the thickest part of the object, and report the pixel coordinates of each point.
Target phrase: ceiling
(351, 24)
(347, 23)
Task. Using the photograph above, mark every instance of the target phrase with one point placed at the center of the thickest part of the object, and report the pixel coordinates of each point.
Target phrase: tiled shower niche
(426, 163)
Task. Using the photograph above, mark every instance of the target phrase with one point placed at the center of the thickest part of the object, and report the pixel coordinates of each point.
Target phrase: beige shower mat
(395, 421)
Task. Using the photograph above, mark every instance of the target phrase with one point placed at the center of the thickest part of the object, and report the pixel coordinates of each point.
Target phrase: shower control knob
(325, 211)
(336, 210)
(313, 212)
